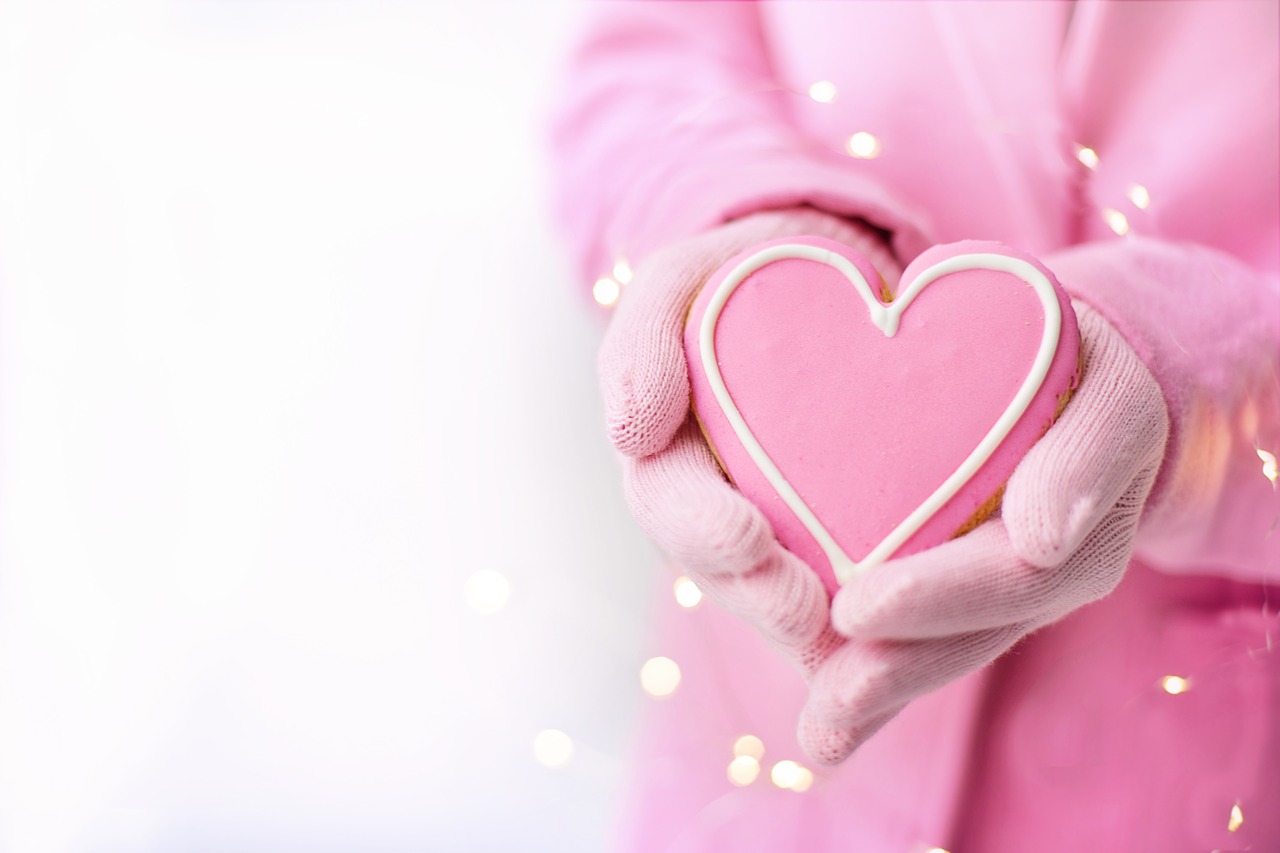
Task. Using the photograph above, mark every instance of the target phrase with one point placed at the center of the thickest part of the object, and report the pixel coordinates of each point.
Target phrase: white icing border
(886, 318)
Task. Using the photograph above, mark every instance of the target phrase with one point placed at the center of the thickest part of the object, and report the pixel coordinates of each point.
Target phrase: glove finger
(1098, 565)
(972, 583)
(978, 582)
(682, 500)
(862, 681)
(786, 603)
(644, 379)
(1112, 430)
(643, 373)
(826, 745)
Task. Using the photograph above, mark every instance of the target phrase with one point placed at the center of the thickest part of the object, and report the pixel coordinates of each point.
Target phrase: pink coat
(678, 117)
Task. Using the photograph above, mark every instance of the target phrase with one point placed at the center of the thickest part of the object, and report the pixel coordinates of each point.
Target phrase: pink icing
(865, 426)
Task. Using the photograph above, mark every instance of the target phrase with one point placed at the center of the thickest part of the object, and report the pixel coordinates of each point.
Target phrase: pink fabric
(1208, 326)
(678, 117)
(674, 120)
(1067, 745)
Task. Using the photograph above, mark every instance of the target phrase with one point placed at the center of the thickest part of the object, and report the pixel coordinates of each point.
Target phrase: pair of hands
(909, 626)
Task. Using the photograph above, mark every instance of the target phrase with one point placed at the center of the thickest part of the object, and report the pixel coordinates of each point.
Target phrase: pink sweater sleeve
(1208, 326)
(672, 121)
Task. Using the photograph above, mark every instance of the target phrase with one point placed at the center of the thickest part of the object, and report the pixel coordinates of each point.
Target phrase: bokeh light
(606, 291)
(803, 780)
(552, 748)
(1139, 196)
(864, 145)
(622, 271)
(784, 773)
(823, 91)
(1269, 469)
(660, 676)
(749, 745)
(743, 770)
(687, 592)
(1116, 221)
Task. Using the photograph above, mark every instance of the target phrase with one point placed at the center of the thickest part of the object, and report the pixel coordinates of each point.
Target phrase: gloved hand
(673, 485)
(1064, 538)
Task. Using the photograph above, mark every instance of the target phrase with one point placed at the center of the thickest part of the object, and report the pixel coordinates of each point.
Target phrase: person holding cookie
(1093, 667)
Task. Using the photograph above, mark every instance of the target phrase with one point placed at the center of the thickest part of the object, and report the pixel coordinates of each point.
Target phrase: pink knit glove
(1069, 519)
(673, 485)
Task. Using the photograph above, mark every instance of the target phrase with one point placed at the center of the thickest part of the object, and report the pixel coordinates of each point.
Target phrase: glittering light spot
(687, 592)
(749, 745)
(1236, 820)
(552, 748)
(803, 781)
(1087, 156)
(1139, 196)
(1269, 469)
(1175, 684)
(743, 770)
(486, 591)
(606, 291)
(864, 146)
(622, 271)
(790, 776)
(1116, 221)
(824, 91)
(937, 850)
(660, 676)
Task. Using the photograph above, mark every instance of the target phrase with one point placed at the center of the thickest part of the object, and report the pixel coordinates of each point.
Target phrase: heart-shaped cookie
(867, 426)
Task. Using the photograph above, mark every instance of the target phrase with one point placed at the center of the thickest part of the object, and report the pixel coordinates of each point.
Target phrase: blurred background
(309, 535)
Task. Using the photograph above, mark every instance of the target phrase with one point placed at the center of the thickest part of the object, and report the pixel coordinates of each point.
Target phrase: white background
(288, 351)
